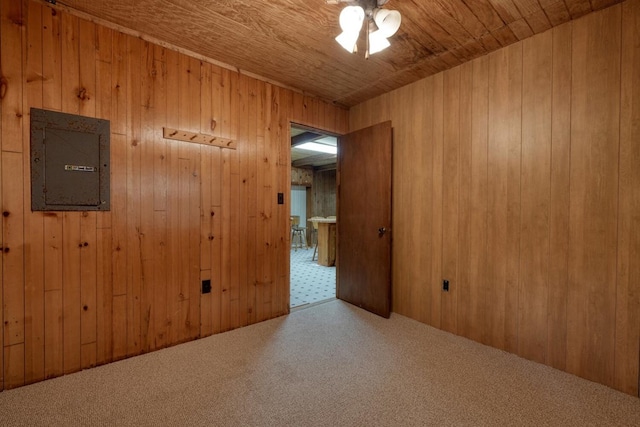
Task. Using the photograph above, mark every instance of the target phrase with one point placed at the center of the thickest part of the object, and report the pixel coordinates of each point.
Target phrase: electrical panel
(69, 162)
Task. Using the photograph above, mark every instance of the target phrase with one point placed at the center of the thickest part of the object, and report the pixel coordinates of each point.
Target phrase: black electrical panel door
(72, 168)
(69, 162)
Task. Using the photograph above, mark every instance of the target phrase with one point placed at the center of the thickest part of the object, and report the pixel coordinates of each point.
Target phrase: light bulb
(388, 21)
(348, 41)
(377, 42)
(351, 19)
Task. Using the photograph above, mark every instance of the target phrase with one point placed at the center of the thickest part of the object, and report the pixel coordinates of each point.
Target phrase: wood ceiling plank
(556, 11)
(505, 36)
(538, 22)
(486, 13)
(462, 14)
(424, 22)
(601, 4)
(438, 13)
(578, 8)
(521, 29)
(489, 42)
(527, 7)
(426, 45)
(506, 9)
(470, 50)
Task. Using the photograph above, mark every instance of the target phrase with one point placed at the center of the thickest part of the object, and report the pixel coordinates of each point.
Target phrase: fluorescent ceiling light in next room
(321, 148)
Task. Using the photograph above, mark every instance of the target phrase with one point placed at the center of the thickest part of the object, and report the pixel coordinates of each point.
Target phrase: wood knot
(161, 156)
(5, 214)
(4, 84)
(213, 213)
(80, 244)
(6, 250)
(134, 143)
(213, 124)
(19, 115)
(118, 249)
(86, 244)
(53, 12)
(210, 237)
(85, 308)
(83, 95)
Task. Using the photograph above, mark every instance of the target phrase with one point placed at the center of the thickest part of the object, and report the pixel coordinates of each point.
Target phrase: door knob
(381, 231)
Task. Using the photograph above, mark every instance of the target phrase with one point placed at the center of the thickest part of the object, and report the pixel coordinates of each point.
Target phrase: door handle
(381, 231)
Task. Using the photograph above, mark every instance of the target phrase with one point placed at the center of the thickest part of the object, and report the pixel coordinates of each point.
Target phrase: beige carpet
(328, 365)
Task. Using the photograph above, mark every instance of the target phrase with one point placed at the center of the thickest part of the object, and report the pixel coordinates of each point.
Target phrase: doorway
(313, 198)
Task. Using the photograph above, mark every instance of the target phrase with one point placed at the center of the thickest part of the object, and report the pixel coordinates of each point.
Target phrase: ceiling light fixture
(321, 148)
(380, 24)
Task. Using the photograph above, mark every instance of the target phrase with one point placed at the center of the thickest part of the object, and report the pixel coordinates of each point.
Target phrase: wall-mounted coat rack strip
(198, 138)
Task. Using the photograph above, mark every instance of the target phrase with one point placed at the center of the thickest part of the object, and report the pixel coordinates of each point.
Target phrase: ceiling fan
(380, 24)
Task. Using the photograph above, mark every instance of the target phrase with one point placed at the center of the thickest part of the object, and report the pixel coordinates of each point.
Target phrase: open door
(364, 219)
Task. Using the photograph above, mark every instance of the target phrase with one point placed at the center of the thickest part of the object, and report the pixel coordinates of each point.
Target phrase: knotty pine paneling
(515, 176)
(33, 221)
(81, 289)
(324, 193)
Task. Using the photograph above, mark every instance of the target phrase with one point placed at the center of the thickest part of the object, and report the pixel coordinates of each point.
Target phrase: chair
(314, 236)
(297, 232)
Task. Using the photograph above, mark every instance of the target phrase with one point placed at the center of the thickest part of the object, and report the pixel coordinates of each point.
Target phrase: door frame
(288, 193)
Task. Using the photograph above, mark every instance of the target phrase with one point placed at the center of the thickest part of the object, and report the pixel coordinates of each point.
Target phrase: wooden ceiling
(291, 42)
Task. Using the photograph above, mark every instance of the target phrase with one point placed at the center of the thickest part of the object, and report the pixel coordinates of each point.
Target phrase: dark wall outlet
(445, 285)
(206, 286)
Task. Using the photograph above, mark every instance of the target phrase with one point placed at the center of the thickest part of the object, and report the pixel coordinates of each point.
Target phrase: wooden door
(364, 219)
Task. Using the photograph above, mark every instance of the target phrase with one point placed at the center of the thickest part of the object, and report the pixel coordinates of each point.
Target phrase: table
(326, 241)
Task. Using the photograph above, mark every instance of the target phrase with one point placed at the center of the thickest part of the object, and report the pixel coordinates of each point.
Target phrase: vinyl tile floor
(310, 282)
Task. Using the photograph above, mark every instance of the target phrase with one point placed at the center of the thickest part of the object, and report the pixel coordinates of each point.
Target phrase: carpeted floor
(328, 365)
(310, 281)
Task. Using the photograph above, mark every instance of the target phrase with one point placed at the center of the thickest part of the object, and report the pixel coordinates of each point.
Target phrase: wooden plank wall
(516, 178)
(80, 289)
(324, 193)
